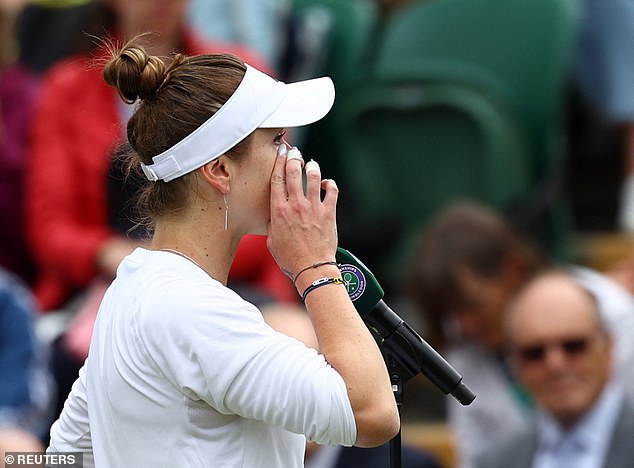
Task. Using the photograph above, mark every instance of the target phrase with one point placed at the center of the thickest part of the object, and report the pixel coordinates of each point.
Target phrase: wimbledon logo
(354, 280)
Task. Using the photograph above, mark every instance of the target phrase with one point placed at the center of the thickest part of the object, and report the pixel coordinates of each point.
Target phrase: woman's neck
(206, 244)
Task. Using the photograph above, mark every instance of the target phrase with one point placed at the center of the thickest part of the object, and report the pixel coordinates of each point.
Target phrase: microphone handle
(414, 354)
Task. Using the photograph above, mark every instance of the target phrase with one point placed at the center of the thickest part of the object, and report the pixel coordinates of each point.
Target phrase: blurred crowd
(545, 342)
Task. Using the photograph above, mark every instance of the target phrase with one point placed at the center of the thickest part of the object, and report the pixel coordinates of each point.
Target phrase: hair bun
(134, 73)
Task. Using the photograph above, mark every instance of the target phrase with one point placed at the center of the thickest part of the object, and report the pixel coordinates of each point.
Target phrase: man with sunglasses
(561, 351)
(468, 266)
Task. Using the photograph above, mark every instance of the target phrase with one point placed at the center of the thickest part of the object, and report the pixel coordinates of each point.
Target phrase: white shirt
(183, 372)
(586, 444)
(324, 457)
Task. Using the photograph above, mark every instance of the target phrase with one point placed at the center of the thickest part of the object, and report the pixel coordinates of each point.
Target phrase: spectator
(61, 27)
(603, 75)
(18, 91)
(562, 353)
(18, 440)
(260, 25)
(468, 266)
(26, 393)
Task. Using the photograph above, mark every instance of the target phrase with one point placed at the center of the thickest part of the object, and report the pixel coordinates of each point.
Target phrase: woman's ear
(216, 173)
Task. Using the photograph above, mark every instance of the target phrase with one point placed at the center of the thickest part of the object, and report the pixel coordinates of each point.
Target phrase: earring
(224, 197)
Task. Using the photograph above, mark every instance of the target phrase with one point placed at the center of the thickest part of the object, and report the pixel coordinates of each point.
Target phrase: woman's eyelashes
(279, 138)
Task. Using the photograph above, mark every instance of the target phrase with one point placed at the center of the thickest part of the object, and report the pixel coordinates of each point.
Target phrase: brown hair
(465, 234)
(175, 99)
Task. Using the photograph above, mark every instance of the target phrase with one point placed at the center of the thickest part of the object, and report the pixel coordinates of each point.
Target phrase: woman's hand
(303, 226)
(302, 232)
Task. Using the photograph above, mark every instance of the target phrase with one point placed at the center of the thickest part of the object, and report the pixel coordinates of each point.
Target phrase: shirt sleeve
(221, 351)
(71, 432)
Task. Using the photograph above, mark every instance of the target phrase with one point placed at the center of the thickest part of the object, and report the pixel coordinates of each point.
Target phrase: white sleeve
(71, 432)
(225, 354)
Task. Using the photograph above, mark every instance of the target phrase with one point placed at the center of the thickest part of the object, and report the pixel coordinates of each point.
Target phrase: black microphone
(413, 354)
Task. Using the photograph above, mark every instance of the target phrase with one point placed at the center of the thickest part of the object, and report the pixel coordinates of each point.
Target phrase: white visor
(259, 102)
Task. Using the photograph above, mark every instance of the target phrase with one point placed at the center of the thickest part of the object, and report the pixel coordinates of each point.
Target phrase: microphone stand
(398, 389)
(403, 359)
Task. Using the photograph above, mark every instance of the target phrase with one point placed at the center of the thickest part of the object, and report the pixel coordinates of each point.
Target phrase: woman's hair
(466, 234)
(174, 100)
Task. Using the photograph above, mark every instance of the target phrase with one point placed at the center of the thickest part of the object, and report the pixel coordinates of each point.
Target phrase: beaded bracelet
(314, 265)
(319, 283)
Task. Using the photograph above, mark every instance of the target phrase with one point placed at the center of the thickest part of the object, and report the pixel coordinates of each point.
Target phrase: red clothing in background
(76, 127)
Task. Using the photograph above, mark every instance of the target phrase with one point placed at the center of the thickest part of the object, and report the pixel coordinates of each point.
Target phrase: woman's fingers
(294, 153)
(332, 193)
(278, 178)
(294, 163)
(313, 181)
(287, 180)
(303, 227)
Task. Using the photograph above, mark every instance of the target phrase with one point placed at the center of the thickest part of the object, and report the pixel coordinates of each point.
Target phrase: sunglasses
(571, 347)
